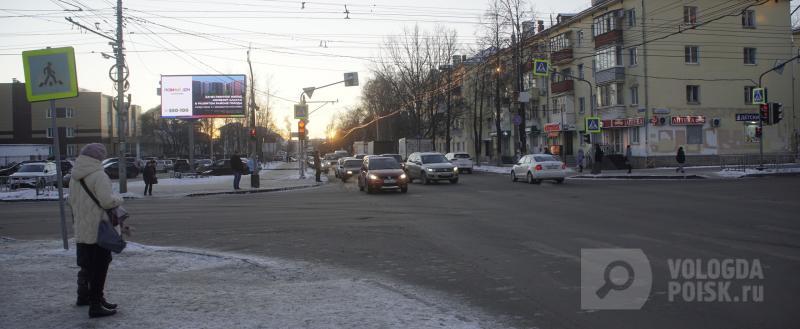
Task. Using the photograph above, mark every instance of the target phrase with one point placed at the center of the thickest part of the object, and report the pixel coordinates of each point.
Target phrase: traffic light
(764, 111)
(587, 138)
(777, 112)
(253, 133)
(301, 129)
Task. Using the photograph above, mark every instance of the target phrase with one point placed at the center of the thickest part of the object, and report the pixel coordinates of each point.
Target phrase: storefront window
(694, 134)
(750, 132)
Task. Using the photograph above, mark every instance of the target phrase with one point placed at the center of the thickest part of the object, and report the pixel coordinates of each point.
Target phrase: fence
(741, 162)
(41, 184)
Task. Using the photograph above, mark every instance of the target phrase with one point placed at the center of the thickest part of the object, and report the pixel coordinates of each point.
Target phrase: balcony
(608, 38)
(609, 75)
(562, 56)
(562, 86)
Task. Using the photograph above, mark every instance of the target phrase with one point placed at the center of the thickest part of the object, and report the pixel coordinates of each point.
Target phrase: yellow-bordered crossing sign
(50, 74)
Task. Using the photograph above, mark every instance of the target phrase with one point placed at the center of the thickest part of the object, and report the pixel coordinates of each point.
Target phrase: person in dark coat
(237, 168)
(628, 155)
(681, 159)
(598, 159)
(317, 168)
(149, 176)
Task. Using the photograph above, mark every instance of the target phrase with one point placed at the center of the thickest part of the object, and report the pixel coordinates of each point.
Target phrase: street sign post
(541, 67)
(50, 74)
(351, 79)
(301, 111)
(759, 96)
(593, 125)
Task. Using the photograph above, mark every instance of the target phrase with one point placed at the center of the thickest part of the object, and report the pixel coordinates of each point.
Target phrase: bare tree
(515, 15)
(494, 29)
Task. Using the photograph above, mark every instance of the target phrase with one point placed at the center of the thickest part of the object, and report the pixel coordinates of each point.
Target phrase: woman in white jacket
(92, 259)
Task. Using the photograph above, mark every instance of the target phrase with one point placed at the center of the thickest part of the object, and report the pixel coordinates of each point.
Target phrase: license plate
(389, 181)
(445, 175)
(553, 167)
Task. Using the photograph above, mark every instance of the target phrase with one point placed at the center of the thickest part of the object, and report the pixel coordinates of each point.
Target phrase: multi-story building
(660, 75)
(88, 118)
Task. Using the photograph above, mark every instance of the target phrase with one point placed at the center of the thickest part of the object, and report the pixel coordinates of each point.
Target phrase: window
(605, 23)
(750, 56)
(579, 38)
(608, 58)
(634, 95)
(48, 114)
(633, 53)
(630, 14)
(633, 133)
(692, 54)
(694, 134)
(70, 113)
(693, 94)
(748, 95)
(72, 150)
(749, 19)
(690, 15)
(581, 105)
(49, 132)
(580, 71)
(70, 132)
(559, 42)
(609, 95)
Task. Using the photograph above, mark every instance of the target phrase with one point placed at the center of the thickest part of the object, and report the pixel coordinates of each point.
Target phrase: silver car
(430, 166)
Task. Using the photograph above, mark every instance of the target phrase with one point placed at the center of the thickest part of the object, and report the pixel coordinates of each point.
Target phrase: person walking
(628, 158)
(317, 168)
(149, 176)
(579, 159)
(598, 159)
(681, 159)
(92, 259)
(237, 168)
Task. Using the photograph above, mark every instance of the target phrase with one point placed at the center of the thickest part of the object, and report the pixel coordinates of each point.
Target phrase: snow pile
(751, 171)
(492, 169)
(30, 194)
(186, 288)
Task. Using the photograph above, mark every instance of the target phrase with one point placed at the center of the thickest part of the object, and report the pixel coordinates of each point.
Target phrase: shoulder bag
(107, 237)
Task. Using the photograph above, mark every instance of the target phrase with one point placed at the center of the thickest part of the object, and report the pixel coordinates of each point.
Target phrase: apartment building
(88, 118)
(660, 75)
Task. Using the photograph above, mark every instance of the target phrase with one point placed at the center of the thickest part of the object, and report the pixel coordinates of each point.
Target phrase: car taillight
(563, 166)
(538, 167)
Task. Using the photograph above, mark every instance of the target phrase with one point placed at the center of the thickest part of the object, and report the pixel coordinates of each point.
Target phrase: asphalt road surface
(511, 248)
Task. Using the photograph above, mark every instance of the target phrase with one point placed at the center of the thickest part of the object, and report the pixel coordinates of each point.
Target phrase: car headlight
(373, 177)
(430, 169)
(402, 176)
(455, 169)
(349, 172)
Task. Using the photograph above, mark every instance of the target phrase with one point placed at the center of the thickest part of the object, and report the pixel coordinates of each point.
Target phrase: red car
(382, 173)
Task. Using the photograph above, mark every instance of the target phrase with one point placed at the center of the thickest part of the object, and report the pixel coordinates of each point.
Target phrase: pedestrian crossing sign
(541, 67)
(592, 125)
(50, 74)
(759, 96)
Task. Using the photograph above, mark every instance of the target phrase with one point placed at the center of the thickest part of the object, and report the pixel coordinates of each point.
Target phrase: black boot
(96, 310)
(83, 293)
(108, 305)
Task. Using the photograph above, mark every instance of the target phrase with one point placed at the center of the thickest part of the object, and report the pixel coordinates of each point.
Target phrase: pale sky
(179, 37)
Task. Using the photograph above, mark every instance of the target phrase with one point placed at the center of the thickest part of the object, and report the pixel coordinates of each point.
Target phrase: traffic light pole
(761, 122)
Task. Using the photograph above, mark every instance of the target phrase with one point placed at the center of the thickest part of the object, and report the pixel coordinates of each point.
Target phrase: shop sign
(688, 120)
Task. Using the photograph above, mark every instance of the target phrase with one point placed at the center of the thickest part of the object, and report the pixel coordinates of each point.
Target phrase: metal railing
(742, 162)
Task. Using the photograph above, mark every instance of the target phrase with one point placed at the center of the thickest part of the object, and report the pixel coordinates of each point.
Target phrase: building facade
(88, 118)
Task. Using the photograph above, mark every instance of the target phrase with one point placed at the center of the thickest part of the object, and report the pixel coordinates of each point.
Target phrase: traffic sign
(541, 67)
(351, 79)
(592, 124)
(50, 74)
(301, 111)
(759, 96)
(517, 120)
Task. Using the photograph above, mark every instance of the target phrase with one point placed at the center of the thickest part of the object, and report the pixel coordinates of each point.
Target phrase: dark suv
(380, 173)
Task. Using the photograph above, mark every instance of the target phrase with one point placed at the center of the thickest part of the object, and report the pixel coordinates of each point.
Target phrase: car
(360, 156)
(112, 170)
(15, 167)
(430, 167)
(535, 168)
(349, 168)
(341, 154)
(200, 164)
(31, 174)
(463, 161)
(169, 165)
(329, 162)
(182, 165)
(161, 165)
(397, 157)
(382, 173)
(222, 167)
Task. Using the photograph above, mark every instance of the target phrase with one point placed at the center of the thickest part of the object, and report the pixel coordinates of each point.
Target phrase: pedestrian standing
(579, 159)
(681, 159)
(149, 176)
(237, 168)
(92, 259)
(628, 158)
(598, 159)
(317, 168)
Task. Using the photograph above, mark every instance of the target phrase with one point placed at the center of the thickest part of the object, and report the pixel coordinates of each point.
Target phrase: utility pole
(122, 112)
(255, 180)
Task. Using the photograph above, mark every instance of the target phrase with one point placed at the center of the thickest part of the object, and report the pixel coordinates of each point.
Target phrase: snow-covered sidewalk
(163, 287)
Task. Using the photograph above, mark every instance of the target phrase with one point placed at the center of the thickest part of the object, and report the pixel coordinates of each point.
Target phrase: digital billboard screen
(203, 96)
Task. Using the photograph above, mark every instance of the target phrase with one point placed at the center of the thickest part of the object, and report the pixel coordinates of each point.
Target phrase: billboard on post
(203, 96)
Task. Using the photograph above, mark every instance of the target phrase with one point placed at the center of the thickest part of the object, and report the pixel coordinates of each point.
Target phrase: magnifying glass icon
(610, 285)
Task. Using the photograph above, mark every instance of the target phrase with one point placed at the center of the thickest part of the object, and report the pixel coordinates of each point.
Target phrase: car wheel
(404, 189)
(369, 189)
(560, 181)
(344, 180)
(454, 181)
(513, 176)
(537, 181)
(529, 178)
(425, 180)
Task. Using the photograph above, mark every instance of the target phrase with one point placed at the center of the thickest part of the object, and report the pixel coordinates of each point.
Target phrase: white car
(462, 161)
(430, 167)
(31, 173)
(535, 168)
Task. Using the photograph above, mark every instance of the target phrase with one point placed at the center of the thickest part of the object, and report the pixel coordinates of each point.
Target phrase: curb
(659, 177)
(778, 174)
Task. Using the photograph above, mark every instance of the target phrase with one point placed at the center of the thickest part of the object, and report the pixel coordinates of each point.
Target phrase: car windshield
(544, 158)
(434, 158)
(383, 163)
(461, 156)
(352, 163)
(396, 157)
(32, 168)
